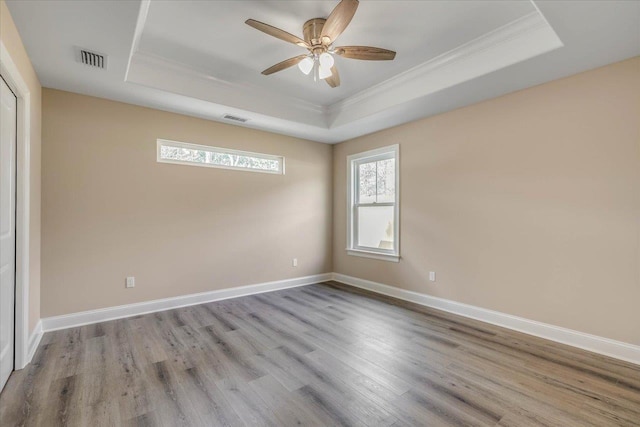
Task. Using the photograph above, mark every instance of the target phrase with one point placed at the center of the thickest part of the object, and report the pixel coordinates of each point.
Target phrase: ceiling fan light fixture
(324, 72)
(306, 65)
(320, 35)
(326, 60)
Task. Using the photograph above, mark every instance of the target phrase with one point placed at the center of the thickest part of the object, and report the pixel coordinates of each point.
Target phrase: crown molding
(148, 67)
(594, 34)
(519, 40)
(143, 12)
(157, 72)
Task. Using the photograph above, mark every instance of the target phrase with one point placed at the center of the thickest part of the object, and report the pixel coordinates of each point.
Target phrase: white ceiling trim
(156, 72)
(524, 38)
(143, 12)
(594, 33)
(160, 73)
(521, 39)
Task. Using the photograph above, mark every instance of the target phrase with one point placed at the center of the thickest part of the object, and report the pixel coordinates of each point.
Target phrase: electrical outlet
(432, 276)
(130, 282)
(294, 262)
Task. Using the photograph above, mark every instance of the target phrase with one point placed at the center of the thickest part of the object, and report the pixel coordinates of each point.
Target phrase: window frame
(353, 162)
(169, 143)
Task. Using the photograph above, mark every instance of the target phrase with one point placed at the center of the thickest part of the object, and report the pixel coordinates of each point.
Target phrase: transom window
(373, 208)
(204, 155)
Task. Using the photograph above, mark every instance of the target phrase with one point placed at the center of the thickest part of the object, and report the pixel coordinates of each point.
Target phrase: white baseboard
(34, 342)
(128, 310)
(617, 349)
(596, 344)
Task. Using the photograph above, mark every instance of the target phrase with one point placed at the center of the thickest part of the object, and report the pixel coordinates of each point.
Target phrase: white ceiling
(212, 37)
(199, 58)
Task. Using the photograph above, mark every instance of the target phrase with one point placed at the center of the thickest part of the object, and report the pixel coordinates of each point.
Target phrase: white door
(8, 107)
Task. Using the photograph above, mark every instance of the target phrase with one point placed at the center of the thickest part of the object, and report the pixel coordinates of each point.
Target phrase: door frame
(18, 85)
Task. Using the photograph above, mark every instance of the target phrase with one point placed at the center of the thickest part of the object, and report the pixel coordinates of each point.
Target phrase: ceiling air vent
(235, 118)
(92, 59)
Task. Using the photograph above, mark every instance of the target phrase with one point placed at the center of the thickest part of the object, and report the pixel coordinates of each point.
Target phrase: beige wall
(528, 204)
(111, 211)
(11, 40)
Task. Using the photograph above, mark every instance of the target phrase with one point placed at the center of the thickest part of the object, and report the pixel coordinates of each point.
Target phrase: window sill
(374, 255)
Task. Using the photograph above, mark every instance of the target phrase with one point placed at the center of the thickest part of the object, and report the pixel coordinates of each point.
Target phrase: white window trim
(169, 143)
(352, 162)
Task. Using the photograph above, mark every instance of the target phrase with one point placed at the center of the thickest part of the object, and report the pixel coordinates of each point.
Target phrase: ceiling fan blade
(276, 32)
(284, 65)
(338, 20)
(366, 53)
(334, 79)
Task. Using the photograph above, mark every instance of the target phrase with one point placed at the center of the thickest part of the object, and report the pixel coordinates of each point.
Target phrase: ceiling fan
(319, 36)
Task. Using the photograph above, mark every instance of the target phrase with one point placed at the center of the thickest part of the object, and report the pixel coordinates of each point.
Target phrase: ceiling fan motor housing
(319, 35)
(312, 32)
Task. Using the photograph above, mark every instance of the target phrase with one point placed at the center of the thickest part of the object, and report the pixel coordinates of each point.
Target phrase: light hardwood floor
(323, 354)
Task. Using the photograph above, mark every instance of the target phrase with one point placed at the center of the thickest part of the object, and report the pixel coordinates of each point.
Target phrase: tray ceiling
(199, 58)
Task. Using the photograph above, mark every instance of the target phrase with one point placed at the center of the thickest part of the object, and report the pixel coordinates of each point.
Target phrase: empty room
(319, 213)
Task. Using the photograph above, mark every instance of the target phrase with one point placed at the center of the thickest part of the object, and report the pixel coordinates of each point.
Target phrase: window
(373, 208)
(213, 157)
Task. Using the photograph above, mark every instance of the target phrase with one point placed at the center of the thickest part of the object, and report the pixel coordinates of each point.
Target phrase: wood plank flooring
(318, 355)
